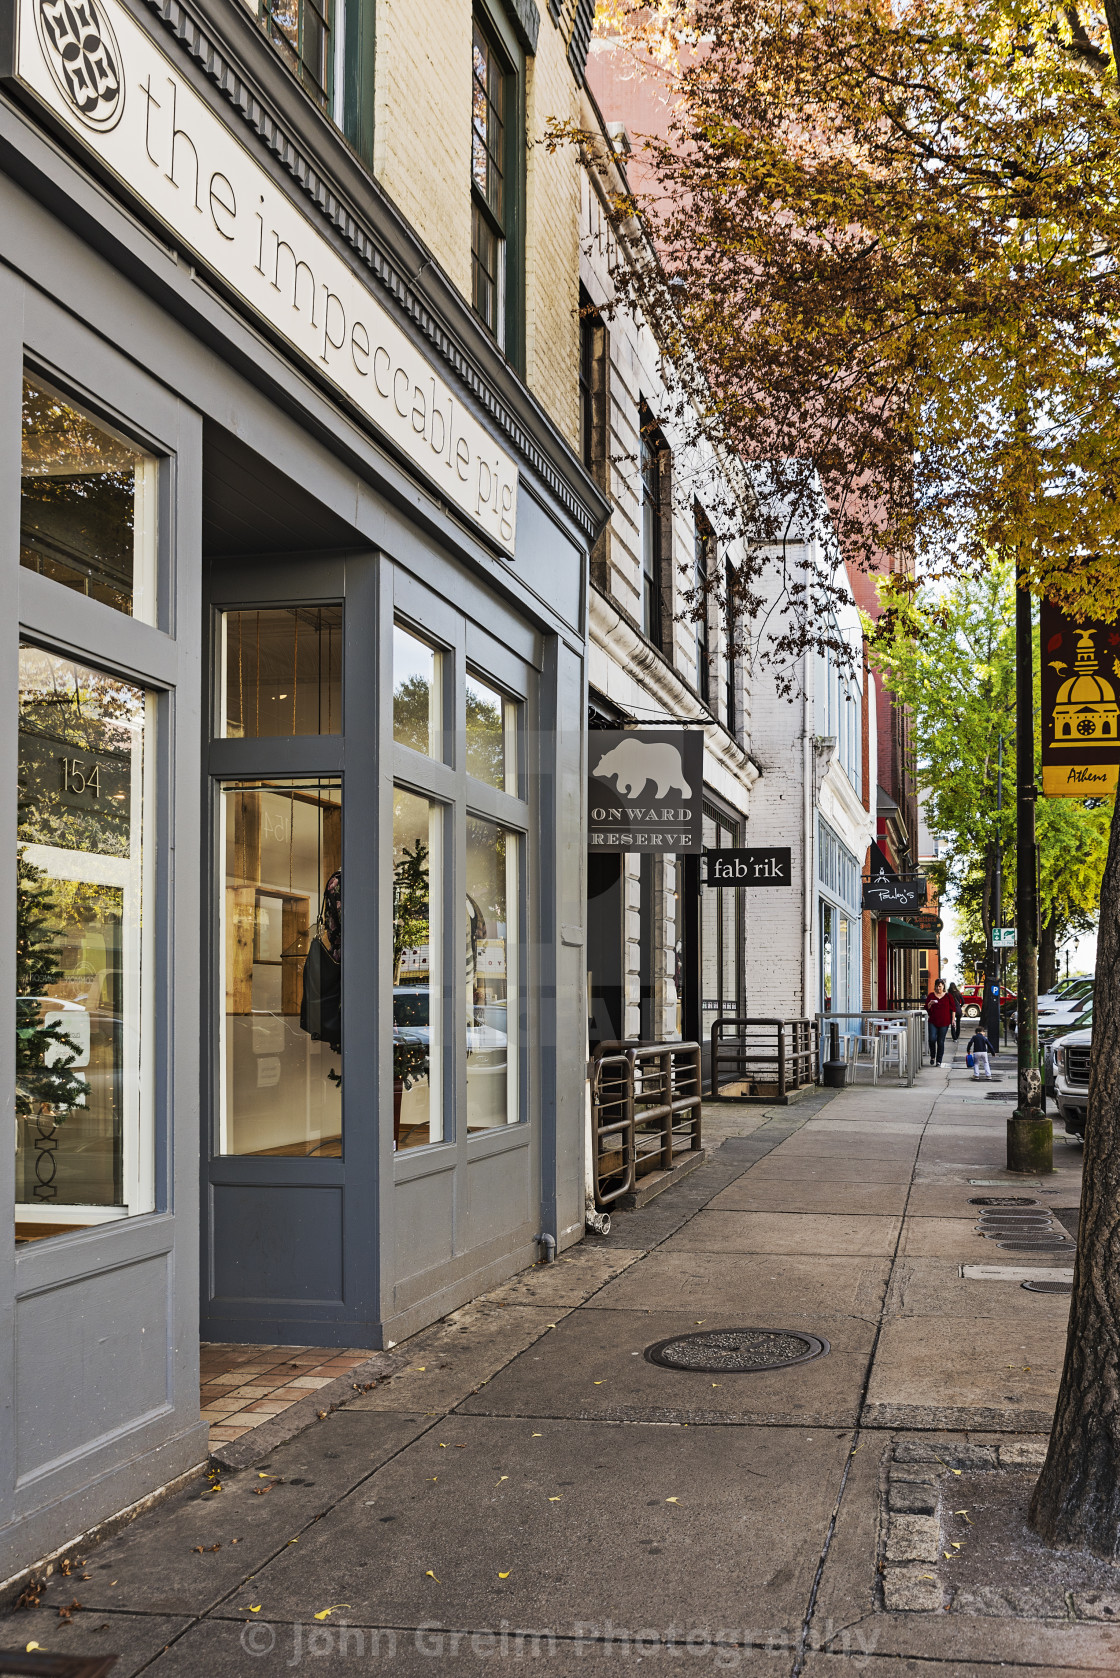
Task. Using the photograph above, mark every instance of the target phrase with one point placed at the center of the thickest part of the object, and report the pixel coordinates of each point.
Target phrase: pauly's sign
(104, 79)
(645, 791)
(890, 893)
(1080, 715)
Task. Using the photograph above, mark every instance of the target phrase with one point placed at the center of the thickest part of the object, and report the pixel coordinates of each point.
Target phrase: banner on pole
(1080, 714)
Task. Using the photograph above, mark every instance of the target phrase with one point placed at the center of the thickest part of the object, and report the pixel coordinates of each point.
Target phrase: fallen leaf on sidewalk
(556, 1500)
(963, 1512)
(29, 1646)
(504, 1477)
(670, 1500)
(504, 1575)
(254, 1608)
(430, 1575)
(538, 1436)
(325, 1613)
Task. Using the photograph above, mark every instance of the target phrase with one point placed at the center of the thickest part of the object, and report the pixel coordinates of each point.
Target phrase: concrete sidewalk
(529, 1488)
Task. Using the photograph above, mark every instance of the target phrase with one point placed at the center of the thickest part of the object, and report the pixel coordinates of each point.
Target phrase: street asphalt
(530, 1493)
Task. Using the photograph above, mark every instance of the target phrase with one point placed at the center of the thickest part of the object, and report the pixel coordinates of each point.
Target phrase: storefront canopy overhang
(914, 937)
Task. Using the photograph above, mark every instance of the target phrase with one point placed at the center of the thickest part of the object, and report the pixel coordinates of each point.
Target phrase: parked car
(1065, 991)
(1063, 1015)
(1070, 1079)
(1058, 1008)
(972, 1000)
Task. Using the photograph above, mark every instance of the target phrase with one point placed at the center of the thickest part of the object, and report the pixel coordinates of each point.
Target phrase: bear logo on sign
(632, 763)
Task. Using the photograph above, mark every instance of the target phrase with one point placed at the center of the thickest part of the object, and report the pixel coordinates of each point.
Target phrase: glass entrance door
(292, 1108)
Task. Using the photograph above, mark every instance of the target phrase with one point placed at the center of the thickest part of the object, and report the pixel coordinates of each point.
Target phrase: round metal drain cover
(1050, 1244)
(736, 1351)
(1047, 1287)
(1001, 1200)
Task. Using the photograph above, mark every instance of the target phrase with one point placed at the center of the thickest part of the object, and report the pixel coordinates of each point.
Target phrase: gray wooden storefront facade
(273, 490)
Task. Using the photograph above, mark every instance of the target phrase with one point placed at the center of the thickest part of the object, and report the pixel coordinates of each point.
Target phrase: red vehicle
(972, 999)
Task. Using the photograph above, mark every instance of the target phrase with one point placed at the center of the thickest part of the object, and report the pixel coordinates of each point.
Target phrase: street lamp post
(1030, 1134)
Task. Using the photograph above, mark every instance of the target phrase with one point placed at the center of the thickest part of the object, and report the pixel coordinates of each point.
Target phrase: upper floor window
(302, 30)
(654, 471)
(705, 542)
(495, 187)
(328, 46)
(731, 709)
(88, 500)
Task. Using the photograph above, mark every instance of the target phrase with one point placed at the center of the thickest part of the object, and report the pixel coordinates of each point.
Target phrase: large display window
(83, 946)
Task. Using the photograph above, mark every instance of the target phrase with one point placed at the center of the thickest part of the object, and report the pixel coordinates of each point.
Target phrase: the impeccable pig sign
(113, 90)
(645, 791)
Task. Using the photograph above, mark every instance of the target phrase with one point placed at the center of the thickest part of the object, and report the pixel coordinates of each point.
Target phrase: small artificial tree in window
(410, 930)
(46, 1089)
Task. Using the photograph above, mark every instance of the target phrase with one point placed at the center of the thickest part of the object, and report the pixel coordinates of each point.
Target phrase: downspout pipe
(808, 778)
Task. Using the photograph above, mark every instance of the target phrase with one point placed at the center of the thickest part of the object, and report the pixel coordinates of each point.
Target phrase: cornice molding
(217, 66)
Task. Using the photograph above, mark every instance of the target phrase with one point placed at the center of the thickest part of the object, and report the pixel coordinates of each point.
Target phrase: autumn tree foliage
(889, 235)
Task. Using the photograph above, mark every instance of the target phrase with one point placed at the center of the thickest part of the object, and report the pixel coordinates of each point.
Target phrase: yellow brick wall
(422, 157)
(552, 206)
(422, 123)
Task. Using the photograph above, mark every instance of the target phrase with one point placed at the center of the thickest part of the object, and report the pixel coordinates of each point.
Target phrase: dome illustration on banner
(1085, 711)
(83, 57)
(633, 763)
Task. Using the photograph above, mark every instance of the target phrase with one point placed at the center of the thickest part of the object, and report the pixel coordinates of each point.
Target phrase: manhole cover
(1044, 1244)
(1047, 1287)
(1001, 1200)
(1016, 1223)
(732, 1351)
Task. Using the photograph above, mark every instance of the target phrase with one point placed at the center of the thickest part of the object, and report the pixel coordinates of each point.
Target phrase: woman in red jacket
(942, 1011)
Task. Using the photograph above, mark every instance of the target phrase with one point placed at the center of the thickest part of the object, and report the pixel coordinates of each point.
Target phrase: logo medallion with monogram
(83, 57)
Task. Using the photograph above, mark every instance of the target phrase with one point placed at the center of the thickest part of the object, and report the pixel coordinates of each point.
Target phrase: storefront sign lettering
(106, 81)
(646, 789)
(894, 894)
(749, 866)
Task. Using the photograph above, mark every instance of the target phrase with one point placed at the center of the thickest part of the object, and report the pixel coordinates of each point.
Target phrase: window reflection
(281, 942)
(87, 505)
(491, 735)
(416, 694)
(491, 975)
(417, 1006)
(281, 672)
(79, 944)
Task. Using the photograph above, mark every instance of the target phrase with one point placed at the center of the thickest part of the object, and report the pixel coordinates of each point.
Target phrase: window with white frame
(84, 873)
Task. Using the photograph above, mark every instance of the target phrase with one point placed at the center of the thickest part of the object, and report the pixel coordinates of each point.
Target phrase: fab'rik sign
(112, 88)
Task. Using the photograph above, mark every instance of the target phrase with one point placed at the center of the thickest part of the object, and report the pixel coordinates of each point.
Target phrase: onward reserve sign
(108, 85)
(1080, 714)
(645, 789)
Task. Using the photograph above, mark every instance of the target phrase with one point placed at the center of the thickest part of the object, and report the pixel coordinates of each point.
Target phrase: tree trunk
(1048, 954)
(1076, 1503)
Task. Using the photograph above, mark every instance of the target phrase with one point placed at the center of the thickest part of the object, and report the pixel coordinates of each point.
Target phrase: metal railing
(771, 1056)
(645, 1112)
(906, 1030)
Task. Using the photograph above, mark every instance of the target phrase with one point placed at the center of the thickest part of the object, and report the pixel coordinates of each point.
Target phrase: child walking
(980, 1047)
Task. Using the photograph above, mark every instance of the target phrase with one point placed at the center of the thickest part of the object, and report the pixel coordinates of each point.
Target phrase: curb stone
(914, 1477)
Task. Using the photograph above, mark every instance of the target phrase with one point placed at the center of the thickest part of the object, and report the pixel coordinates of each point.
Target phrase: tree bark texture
(1076, 1503)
